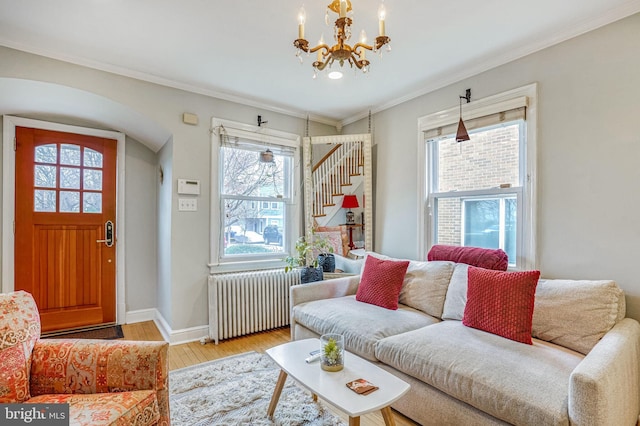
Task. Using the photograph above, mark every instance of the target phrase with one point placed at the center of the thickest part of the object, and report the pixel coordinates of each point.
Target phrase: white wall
(141, 223)
(588, 156)
(176, 282)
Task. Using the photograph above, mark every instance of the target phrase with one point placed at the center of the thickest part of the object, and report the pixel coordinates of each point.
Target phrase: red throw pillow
(381, 282)
(501, 302)
(476, 256)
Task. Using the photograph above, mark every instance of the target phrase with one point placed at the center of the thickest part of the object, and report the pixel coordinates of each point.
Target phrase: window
(80, 179)
(479, 192)
(256, 200)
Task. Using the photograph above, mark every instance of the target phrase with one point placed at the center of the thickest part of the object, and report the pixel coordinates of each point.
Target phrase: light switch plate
(187, 204)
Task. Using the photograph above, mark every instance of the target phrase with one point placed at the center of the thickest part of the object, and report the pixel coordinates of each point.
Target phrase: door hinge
(14, 227)
(14, 143)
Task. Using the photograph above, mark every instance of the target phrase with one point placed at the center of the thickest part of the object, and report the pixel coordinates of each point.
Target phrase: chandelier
(341, 51)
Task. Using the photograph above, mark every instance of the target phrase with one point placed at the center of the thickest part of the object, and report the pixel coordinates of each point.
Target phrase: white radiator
(247, 302)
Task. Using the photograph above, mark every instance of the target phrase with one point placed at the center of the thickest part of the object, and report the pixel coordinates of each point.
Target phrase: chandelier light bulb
(382, 14)
(320, 43)
(302, 17)
(363, 40)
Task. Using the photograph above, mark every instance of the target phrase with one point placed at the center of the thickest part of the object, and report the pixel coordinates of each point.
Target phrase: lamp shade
(462, 134)
(350, 202)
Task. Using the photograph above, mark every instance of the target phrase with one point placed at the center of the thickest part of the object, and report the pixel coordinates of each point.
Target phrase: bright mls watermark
(34, 414)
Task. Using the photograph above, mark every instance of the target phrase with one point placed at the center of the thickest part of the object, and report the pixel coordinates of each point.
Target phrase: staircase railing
(333, 172)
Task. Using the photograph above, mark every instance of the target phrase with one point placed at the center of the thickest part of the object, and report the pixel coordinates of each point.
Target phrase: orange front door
(65, 206)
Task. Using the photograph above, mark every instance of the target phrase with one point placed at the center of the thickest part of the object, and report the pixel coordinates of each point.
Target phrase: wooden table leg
(354, 421)
(276, 393)
(387, 415)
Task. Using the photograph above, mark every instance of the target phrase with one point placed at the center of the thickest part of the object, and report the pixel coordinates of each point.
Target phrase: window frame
(525, 194)
(218, 262)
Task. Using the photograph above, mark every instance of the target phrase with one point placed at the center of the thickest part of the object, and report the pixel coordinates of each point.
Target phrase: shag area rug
(237, 391)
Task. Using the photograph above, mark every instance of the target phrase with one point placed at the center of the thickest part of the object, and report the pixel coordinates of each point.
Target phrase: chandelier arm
(319, 65)
(355, 60)
(362, 45)
(321, 46)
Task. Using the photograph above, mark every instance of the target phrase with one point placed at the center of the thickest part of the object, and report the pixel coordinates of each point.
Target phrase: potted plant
(332, 355)
(305, 259)
(325, 256)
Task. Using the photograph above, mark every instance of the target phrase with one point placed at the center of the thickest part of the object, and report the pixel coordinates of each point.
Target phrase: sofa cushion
(519, 384)
(476, 256)
(381, 281)
(425, 285)
(456, 297)
(138, 408)
(19, 332)
(501, 302)
(361, 324)
(576, 314)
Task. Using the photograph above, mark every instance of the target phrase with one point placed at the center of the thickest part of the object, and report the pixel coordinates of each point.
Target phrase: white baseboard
(174, 337)
(191, 334)
(141, 315)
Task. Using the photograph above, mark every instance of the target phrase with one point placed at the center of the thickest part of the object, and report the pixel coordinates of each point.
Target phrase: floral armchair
(104, 382)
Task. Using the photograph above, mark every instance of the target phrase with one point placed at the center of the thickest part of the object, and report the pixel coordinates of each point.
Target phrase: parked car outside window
(272, 234)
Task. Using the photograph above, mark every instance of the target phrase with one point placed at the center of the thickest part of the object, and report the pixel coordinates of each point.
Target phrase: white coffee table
(331, 387)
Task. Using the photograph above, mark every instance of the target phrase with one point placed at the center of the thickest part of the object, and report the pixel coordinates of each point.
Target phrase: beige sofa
(583, 367)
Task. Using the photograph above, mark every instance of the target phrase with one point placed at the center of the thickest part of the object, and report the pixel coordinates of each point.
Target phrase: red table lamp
(350, 202)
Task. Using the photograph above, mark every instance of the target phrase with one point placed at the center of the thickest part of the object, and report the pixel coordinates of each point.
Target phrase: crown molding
(567, 33)
(150, 78)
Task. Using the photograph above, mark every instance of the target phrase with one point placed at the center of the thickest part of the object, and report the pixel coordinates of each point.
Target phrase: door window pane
(70, 177)
(92, 202)
(45, 176)
(69, 202)
(92, 179)
(44, 201)
(92, 158)
(70, 155)
(46, 154)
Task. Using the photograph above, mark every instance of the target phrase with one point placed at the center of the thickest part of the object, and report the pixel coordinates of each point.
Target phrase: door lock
(108, 233)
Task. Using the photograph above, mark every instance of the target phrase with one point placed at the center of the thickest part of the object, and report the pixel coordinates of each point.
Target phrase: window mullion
(502, 224)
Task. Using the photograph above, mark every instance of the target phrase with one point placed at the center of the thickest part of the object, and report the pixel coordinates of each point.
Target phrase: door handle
(108, 233)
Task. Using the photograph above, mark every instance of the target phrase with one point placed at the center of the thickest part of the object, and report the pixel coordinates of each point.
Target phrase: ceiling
(242, 50)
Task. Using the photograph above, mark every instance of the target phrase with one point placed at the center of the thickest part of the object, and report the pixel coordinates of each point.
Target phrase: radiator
(247, 302)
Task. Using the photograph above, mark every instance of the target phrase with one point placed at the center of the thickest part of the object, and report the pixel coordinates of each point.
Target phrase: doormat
(109, 332)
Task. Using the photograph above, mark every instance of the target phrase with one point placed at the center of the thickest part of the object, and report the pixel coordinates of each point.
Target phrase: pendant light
(462, 134)
(266, 156)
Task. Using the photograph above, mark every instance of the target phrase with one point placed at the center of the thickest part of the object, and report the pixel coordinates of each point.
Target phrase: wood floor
(194, 353)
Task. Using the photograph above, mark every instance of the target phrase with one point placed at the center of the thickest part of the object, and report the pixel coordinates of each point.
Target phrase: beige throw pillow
(576, 314)
(425, 284)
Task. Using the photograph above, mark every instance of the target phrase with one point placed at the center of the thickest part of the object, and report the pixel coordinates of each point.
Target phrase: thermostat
(188, 186)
